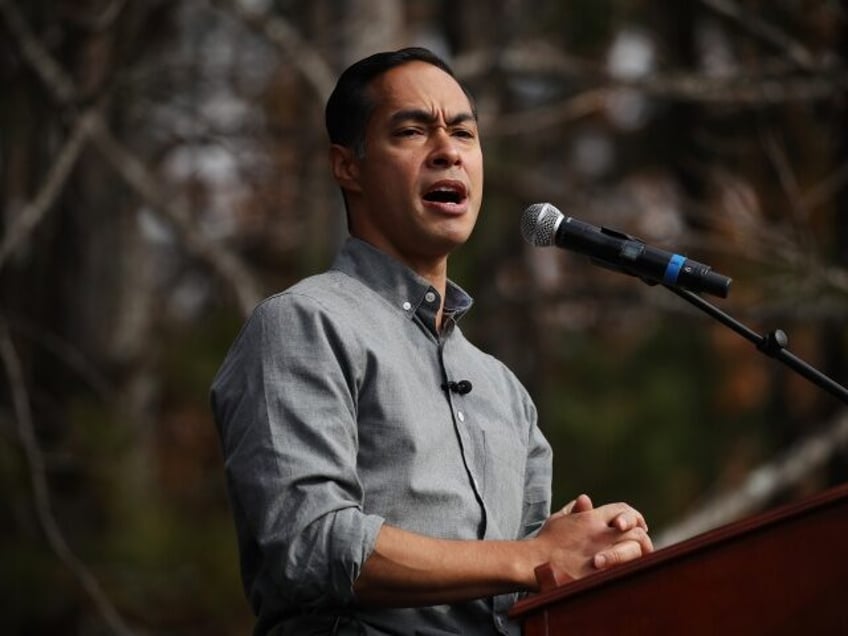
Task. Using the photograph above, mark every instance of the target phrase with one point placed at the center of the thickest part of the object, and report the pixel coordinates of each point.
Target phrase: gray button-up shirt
(335, 418)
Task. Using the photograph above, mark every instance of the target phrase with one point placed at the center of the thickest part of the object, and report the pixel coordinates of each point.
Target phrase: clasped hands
(580, 539)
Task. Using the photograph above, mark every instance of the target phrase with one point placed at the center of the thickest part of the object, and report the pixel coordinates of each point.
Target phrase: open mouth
(446, 192)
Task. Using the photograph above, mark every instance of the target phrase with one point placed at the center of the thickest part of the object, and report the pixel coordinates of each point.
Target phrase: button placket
(470, 453)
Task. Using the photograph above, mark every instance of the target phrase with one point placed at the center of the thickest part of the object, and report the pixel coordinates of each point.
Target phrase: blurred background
(163, 167)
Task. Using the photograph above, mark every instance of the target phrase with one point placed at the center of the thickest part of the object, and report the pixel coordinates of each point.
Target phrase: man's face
(419, 186)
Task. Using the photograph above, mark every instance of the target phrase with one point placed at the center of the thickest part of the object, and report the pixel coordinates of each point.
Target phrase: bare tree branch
(744, 90)
(37, 56)
(798, 214)
(228, 266)
(764, 89)
(41, 491)
(97, 22)
(66, 353)
(522, 123)
(136, 174)
(279, 31)
(753, 92)
(32, 214)
(836, 277)
(827, 189)
(764, 31)
(762, 484)
(525, 58)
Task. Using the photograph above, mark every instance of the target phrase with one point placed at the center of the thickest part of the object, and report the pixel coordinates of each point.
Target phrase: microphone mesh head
(539, 224)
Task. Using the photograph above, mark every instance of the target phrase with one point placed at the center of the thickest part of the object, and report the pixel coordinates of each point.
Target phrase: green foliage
(36, 592)
(192, 353)
(629, 422)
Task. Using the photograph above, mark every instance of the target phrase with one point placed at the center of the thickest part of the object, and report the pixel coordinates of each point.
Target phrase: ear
(345, 168)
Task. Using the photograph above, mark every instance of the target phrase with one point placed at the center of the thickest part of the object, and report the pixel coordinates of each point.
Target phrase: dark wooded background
(163, 166)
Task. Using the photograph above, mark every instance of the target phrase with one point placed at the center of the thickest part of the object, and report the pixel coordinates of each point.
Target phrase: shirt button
(460, 416)
(430, 297)
(407, 306)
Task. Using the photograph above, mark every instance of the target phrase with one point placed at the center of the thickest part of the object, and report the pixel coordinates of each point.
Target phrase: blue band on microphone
(672, 270)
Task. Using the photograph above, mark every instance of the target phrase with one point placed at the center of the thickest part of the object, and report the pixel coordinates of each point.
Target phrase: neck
(432, 269)
(437, 275)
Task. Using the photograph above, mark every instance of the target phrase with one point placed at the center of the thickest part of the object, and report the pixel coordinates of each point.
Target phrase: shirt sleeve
(285, 405)
(537, 475)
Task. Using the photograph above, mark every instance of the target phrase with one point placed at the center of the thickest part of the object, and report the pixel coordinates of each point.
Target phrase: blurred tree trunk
(836, 333)
(682, 122)
(77, 290)
(366, 27)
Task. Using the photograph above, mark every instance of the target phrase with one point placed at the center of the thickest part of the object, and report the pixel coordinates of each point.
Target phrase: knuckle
(613, 557)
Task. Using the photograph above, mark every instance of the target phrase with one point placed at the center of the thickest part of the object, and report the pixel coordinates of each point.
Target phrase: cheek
(395, 175)
(387, 184)
(475, 170)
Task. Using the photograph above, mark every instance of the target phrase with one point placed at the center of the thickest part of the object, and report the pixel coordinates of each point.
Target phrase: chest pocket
(504, 456)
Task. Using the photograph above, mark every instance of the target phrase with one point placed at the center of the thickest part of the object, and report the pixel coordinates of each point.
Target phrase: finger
(641, 537)
(581, 504)
(566, 509)
(628, 520)
(619, 553)
(625, 518)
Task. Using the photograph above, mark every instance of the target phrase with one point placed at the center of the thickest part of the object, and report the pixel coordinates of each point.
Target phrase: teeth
(446, 193)
(447, 189)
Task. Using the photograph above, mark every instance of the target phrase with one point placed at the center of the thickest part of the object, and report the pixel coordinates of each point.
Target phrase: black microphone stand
(773, 345)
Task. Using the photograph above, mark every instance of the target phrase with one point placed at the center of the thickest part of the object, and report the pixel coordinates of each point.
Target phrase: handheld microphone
(543, 225)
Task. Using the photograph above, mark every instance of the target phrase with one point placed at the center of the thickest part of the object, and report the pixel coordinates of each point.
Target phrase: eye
(407, 132)
(464, 133)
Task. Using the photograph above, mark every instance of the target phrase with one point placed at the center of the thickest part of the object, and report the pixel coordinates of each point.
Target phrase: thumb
(581, 504)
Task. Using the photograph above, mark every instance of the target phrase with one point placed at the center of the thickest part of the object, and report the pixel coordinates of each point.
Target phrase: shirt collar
(399, 285)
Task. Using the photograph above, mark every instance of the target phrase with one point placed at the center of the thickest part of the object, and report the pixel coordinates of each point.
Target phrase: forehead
(418, 85)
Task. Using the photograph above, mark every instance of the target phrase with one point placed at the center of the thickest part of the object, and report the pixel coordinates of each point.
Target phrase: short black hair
(350, 105)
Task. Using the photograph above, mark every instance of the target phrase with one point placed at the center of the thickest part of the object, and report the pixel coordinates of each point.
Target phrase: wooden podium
(782, 572)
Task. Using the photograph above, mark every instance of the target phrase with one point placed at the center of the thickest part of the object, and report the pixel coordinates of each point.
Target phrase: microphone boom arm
(773, 345)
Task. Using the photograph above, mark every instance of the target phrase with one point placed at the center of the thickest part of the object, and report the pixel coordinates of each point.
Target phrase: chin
(451, 242)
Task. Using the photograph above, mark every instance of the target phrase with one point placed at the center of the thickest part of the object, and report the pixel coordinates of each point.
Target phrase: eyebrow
(428, 117)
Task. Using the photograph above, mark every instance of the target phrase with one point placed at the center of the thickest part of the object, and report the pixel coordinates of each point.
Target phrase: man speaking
(386, 476)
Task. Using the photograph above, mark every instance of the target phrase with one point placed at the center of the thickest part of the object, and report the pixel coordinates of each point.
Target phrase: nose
(445, 153)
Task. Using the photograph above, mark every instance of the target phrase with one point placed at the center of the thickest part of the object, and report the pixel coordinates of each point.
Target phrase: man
(386, 476)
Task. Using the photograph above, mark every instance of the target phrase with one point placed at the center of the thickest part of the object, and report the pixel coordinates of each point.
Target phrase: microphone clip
(462, 387)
